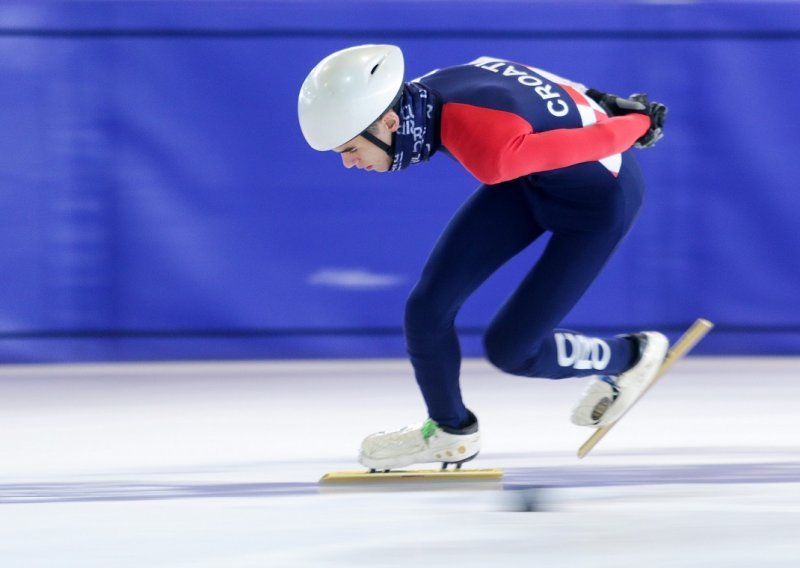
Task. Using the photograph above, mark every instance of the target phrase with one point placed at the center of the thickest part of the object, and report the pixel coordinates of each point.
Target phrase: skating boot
(423, 443)
(607, 398)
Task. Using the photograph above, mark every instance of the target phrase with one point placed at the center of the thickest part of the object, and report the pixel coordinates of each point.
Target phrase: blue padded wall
(157, 200)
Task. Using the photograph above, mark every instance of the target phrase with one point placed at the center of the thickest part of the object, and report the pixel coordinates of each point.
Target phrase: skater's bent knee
(503, 356)
(514, 358)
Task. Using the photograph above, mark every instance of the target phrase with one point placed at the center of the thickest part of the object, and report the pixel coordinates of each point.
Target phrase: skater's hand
(638, 103)
(658, 115)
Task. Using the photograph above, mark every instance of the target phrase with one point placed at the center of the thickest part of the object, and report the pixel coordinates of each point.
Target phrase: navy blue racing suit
(550, 161)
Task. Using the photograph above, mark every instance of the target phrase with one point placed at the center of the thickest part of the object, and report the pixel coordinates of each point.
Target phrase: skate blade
(425, 475)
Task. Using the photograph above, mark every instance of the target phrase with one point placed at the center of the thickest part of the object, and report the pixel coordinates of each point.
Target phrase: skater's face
(365, 155)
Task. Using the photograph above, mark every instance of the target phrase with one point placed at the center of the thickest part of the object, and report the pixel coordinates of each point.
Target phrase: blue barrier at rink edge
(157, 199)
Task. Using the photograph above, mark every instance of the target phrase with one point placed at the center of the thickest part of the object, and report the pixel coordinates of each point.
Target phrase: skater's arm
(496, 146)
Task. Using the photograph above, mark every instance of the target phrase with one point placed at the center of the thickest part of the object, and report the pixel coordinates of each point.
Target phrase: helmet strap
(379, 143)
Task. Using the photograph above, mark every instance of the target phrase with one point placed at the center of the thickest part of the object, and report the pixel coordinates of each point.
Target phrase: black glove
(658, 114)
(638, 103)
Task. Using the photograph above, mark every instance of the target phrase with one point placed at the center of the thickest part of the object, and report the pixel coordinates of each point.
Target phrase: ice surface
(216, 465)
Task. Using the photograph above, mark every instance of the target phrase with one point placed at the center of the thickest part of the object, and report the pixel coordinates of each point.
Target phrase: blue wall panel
(157, 200)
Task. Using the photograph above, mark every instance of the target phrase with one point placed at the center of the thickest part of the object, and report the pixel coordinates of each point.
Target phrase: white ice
(216, 465)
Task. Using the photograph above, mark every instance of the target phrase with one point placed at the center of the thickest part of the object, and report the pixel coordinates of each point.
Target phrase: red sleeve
(496, 146)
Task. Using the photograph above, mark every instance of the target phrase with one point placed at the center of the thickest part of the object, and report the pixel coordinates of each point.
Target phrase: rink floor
(217, 465)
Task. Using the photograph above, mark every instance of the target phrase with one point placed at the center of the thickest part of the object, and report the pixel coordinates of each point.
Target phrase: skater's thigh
(492, 226)
(552, 288)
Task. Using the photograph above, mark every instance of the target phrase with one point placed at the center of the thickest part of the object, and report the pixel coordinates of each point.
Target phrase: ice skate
(607, 398)
(423, 443)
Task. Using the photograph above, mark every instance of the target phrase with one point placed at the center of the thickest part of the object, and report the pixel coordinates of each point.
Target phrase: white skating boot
(607, 398)
(423, 443)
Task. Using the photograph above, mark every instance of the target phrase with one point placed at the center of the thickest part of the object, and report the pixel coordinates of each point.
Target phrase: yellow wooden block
(414, 475)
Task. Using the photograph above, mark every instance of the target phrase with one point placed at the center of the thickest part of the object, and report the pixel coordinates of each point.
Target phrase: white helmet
(347, 91)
